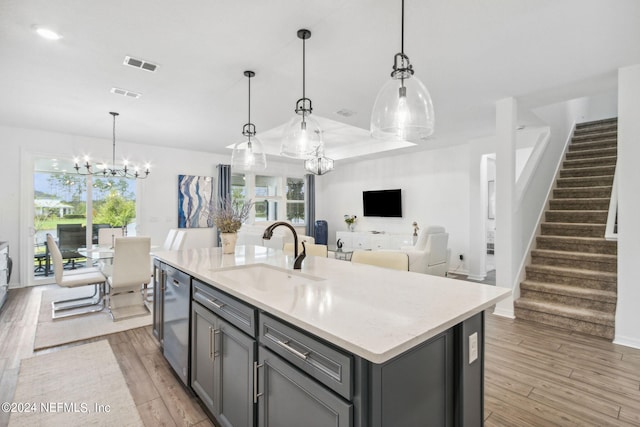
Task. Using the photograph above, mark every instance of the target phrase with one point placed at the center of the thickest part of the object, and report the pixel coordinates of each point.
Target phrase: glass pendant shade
(249, 155)
(403, 110)
(301, 138)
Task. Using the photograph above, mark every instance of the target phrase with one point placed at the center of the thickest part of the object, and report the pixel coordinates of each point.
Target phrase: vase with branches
(228, 216)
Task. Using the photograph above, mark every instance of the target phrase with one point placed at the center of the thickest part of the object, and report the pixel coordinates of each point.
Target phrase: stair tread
(571, 290)
(572, 224)
(576, 255)
(581, 199)
(558, 309)
(585, 239)
(572, 271)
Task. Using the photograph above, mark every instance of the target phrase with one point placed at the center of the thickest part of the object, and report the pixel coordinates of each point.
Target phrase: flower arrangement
(229, 215)
(350, 220)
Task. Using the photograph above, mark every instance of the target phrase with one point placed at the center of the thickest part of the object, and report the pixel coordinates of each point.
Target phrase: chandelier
(302, 136)
(105, 170)
(249, 154)
(403, 108)
(319, 164)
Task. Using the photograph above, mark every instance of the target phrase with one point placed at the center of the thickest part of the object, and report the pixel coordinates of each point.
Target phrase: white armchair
(430, 254)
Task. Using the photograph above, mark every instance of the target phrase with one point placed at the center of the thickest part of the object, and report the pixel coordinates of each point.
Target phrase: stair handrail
(611, 230)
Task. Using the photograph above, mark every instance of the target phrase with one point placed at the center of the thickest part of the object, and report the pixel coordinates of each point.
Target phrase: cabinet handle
(215, 304)
(216, 353)
(256, 395)
(210, 343)
(175, 283)
(286, 346)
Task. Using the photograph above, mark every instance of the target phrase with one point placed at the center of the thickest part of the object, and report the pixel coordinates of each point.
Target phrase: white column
(627, 313)
(506, 117)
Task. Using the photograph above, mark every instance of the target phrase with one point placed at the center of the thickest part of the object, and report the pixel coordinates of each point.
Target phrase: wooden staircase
(572, 279)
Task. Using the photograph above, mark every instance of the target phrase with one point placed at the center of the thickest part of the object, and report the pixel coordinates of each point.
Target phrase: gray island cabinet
(335, 344)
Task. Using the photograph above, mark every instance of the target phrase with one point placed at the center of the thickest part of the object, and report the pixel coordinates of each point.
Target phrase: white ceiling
(468, 53)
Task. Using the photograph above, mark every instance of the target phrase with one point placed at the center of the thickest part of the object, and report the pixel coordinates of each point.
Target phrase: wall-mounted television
(384, 203)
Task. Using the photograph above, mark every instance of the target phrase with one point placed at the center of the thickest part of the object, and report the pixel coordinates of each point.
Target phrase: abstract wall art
(195, 201)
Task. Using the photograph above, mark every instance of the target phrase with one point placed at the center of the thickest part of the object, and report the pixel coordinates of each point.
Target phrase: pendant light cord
(249, 103)
(402, 31)
(303, 68)
(113, 164)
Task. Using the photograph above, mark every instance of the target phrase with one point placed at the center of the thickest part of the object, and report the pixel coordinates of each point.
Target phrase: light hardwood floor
(534, 375)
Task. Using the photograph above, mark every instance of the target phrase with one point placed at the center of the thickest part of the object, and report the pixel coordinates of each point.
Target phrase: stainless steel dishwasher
(177, 296)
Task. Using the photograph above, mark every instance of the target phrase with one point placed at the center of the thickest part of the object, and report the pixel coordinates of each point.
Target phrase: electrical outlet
(473, 347)
(461, 257)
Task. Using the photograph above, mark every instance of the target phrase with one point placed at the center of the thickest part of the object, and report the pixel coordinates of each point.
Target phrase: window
(295, 200)
(238, 187)
(267, 196)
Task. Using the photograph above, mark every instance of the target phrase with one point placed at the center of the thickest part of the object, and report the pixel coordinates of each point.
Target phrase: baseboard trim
(627, 342)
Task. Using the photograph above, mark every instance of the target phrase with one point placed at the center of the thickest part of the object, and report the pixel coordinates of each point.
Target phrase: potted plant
(228, 217)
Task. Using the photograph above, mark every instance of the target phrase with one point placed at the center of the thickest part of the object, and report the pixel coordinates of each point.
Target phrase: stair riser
(586, 163)
(579, 205)
(576, 217)
(598, 181)
(603, 192)
(594, 145)
(573, 230)
(595, 329)
(587, 154)
(573, 281)
(585, 172)
(562, 244)
(568, 300)
(604, 266)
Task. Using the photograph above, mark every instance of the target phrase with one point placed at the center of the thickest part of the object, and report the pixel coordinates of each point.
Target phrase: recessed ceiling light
(47, 33)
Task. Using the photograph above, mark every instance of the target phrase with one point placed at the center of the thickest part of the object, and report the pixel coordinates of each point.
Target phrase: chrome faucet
(268, 233)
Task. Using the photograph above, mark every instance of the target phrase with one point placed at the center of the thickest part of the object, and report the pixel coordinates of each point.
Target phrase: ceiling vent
(140, 63)
(124, 92)
(345, 112)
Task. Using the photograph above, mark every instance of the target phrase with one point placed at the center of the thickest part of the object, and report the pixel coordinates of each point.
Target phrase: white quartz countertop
(373, 312)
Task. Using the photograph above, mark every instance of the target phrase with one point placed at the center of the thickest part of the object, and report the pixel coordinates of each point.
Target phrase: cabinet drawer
(326, 364)
(239, 314)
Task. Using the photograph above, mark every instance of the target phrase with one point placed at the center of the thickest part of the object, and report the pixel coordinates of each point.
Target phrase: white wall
(435, 190)
(157, 195)
(628, 315)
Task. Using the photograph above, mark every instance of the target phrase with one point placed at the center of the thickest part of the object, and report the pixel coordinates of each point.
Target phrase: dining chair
(79, 277)
(130, 272)
(178, 242)
(107, 236)
(387, 259)
(168, 241)
(310, 249)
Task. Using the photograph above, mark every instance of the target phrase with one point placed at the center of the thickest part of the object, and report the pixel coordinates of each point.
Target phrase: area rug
(50, 333)
(77, 386)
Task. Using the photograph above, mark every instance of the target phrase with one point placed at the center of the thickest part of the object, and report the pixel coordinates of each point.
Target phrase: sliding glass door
(71, 208)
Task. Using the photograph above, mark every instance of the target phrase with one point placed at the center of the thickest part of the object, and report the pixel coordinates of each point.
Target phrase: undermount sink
(262, 276)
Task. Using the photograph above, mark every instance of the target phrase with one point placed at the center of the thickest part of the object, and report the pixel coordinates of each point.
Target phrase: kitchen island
(335, 343)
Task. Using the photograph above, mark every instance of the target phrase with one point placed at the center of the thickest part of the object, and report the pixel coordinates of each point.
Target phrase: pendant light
(249, 155)
(126, 171)
(302, 136)
(319, 164)
(403, 108)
